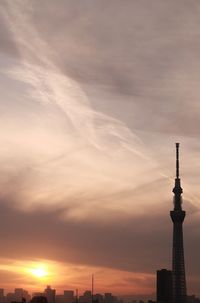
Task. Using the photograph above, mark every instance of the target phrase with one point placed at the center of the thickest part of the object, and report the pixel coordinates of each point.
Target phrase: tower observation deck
(178, 264)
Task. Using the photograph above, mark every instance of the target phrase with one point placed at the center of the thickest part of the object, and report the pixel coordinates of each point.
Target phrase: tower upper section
(177, 190)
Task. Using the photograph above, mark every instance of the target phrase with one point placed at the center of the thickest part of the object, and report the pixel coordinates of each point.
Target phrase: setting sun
(39, 272)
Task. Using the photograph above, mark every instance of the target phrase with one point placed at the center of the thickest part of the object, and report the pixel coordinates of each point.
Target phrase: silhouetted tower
(92, 288)
(178, 265)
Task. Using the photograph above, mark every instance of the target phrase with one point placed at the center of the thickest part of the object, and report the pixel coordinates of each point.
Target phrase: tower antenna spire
(177, 160)
(177, 190)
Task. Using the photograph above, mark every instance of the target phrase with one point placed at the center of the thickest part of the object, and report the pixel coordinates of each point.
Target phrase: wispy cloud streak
(49, 86)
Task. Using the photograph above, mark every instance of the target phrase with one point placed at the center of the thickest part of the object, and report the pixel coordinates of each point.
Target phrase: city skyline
(90, 108)
(67, 296)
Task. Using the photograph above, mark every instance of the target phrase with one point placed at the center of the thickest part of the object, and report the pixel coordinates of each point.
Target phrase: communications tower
(178, 265)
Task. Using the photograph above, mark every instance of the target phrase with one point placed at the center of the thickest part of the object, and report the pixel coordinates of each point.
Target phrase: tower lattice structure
(178, 264)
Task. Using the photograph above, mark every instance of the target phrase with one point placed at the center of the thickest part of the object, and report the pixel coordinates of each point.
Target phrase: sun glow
(38, 271)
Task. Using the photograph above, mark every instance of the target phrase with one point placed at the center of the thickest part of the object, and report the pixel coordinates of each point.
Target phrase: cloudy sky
(93, 96)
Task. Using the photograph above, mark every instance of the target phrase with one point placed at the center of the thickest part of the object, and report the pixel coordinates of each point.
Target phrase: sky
(94, 94)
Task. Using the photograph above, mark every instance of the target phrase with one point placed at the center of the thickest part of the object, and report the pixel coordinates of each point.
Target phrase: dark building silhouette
(164, 286)
(193, 299)
(109, 298)
(98, 298)
(18, 294)
(86, 297)
(2, 297)
(10, 297)
(177, 216)
(50, 294)
(39, 299)
(59, 299)
(69, 296)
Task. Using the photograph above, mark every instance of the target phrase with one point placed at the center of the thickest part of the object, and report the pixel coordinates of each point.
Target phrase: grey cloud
(119, 245)
(7, 44)
(144, 55)
(87, 243)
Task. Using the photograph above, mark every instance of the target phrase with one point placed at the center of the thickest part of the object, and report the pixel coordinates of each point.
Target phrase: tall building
(50, 294)
(19, 294)
(164, 286)
(2, 297)
(177, 216)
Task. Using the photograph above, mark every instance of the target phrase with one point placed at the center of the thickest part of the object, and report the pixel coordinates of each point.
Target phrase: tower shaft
(178, 265)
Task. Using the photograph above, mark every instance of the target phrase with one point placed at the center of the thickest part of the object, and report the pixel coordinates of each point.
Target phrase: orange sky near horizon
(34, 276)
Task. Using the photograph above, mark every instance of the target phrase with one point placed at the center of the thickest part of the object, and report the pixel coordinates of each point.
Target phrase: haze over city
(94, 94)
